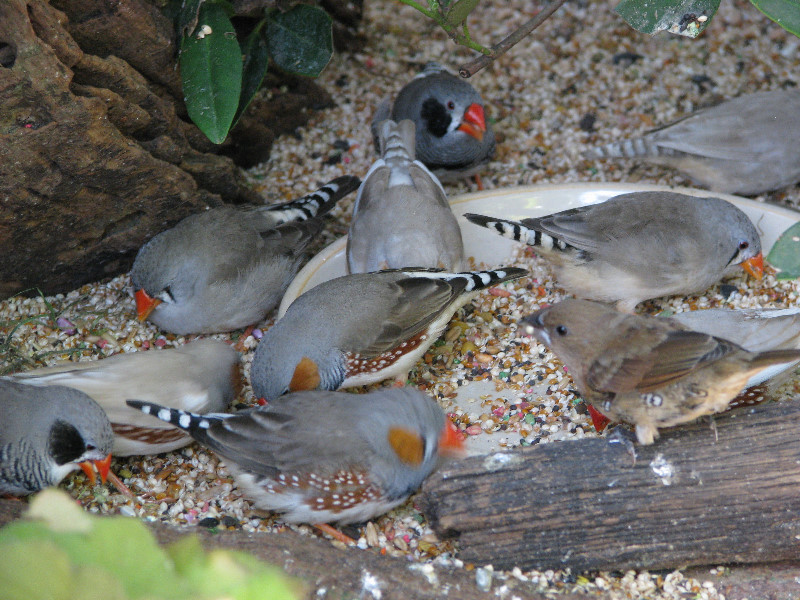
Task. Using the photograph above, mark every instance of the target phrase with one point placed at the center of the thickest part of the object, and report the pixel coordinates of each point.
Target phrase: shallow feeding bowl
(490, 249)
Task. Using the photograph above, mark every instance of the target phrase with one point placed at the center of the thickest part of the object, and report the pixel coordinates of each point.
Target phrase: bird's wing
(267, 442)
(675, 356)
(575, 227)
(416, 303)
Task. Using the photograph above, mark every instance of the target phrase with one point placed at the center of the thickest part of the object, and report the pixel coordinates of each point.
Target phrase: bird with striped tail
(641, 245)
(226, 268)
(401, 217)
(746, 145)
(363, 328)
(368, 454)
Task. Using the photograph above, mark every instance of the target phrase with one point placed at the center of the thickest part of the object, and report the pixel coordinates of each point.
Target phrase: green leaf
(300, 40)
(785, 254)
(22, 559)
(785, 13)
(684, 17)
(459, 12)
(256, 60)
(211, 70)
(118, 558)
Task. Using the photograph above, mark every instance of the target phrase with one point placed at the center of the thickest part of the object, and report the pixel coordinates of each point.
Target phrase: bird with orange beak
(453, 138)
(48, 432)
(369, 453)
(641, 245)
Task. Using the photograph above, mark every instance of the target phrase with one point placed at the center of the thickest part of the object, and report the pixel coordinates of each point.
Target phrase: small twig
(469, 69)
(121, 487)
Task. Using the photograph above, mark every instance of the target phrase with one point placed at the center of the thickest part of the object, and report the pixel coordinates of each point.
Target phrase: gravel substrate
(585, 78)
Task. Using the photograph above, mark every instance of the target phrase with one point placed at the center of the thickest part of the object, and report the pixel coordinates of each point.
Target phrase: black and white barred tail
(632, 148)
(315, 203)
(518, 232)
(194, 424)
(476, 280)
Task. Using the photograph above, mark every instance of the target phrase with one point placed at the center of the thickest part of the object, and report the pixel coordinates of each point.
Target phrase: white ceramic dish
(493, 250)
(532, 201)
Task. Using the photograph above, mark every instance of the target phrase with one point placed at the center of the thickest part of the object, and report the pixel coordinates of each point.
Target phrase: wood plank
(689, 499)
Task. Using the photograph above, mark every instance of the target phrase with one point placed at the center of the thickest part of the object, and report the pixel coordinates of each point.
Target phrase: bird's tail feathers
(196, 425)
(518, 232)
(475, 280)
(316, 203)
(396, 141)
(777, 358)
(631, 148)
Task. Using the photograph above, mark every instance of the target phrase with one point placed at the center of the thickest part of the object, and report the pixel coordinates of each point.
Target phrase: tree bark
(97, 153)
(689, 499)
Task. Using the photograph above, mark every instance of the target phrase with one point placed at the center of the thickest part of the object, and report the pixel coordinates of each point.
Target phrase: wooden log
(692, 498)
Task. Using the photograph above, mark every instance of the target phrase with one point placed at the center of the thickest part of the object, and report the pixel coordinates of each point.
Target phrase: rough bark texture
(96, 152)
(341, 573)
(688, 499)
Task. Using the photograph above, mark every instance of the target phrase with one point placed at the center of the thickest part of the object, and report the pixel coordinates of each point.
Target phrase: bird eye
(91, 447)
(451, 105)
(561, 330)
(743, 245)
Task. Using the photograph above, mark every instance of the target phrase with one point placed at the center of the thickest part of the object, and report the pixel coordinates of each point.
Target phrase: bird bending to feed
(226, 268)
(641, 245)
(363, 328)
(648, 371)
(453, 138)
(401, 217)
(198, 377)
(365, 454)
(46, 433)
(746, 145)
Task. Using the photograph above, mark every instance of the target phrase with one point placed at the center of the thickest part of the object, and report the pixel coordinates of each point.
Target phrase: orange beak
(103, 467)
(451, 442)
(144, 304)
(474, 122)
(754, 266)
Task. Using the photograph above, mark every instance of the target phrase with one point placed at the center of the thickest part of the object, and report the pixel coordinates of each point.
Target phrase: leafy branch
(221, 74)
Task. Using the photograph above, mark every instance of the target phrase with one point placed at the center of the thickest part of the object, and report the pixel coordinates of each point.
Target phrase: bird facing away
(401, 217)
(198, 377)
(746, 145)
(638, 246)
(228, 267)
(363, 328)
(648, 371)
(453, 138)
(46, 433)
(366, 456)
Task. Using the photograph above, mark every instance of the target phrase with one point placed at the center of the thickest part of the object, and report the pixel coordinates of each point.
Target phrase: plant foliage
(785, 254)
(221, 74)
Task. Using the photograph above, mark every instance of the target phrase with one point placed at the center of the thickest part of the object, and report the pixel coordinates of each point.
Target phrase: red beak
(451, 442)
(103, 467)
(144, 304)
(754, 266)
(599, 420)
(474, 121)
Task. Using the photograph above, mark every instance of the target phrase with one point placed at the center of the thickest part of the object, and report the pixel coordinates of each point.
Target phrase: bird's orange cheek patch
(408, 445)
(306, 376)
